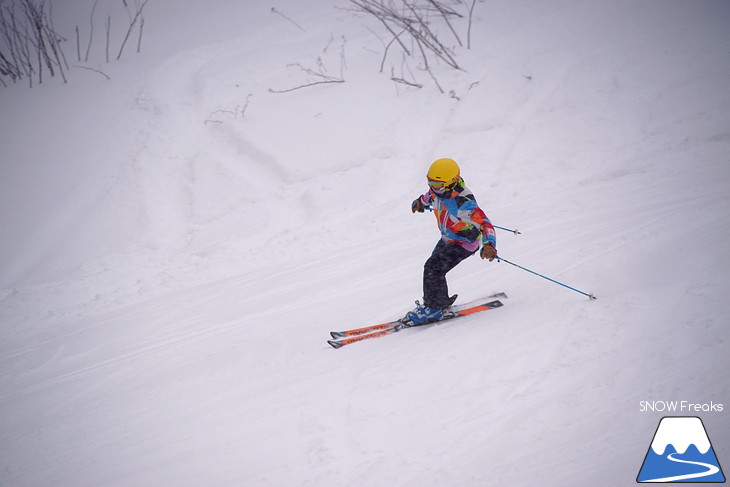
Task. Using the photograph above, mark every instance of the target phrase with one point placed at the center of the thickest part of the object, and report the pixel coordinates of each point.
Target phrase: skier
(463, 226)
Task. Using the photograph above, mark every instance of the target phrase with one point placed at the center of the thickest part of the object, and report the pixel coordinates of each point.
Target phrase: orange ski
(342, 338)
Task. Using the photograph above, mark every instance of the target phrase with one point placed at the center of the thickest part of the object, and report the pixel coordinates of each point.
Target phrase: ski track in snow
(171, 275)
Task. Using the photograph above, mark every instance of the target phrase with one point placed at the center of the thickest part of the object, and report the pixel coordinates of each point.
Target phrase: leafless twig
(411, 17)
(94, 70)
(78, 45)
(30, 47)
(468, 32)
(245, 106)
(91, 31)
(108, 35)
(131, 26)
(307, 85)
(139, 39)
(321, 75)
(29, 44)
(273, 9)
(405, 82)
(445, 14)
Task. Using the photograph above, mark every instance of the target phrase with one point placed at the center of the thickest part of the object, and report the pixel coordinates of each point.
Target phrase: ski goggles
(439, 184)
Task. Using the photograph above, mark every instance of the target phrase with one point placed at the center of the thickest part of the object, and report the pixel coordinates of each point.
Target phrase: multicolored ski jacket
(460, 219)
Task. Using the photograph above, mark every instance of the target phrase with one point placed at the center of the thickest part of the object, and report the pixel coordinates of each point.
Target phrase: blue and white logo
(681, 452)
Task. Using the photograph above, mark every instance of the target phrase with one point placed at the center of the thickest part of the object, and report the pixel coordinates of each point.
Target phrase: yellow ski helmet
(442, 173)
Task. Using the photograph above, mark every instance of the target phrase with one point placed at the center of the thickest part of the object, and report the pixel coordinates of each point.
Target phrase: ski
(364, 330)
(394, 326)
(384, 326)
(341, 342)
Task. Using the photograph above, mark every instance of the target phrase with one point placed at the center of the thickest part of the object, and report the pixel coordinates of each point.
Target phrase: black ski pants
(444, 258)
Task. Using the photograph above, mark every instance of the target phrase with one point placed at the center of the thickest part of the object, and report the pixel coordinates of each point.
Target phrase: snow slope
(178, 241)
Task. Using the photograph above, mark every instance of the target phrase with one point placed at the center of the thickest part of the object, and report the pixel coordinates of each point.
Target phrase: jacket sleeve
(473, 221)
(489, 236)
(426, 198)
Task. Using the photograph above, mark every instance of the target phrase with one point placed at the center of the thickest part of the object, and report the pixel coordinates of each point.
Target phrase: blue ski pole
(590, 296)
(516, 232)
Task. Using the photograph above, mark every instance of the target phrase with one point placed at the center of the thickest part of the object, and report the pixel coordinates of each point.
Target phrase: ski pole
(590, 296)
(516, 232)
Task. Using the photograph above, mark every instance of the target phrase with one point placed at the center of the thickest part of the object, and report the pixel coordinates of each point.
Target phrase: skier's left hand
(488, 252)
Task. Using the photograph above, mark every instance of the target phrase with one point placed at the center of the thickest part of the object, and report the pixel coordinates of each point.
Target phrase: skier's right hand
(417, 205)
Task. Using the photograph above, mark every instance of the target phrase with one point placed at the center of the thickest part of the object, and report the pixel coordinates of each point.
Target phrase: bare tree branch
(387, 47)
(108, 34)
(30, 46)
(445, 14)
(131, 26)
(412, 18)
(139, 40)
(94, 70)
(78, 45)
(273, 9)
(91, 31)
(323, 82)
(468, 32)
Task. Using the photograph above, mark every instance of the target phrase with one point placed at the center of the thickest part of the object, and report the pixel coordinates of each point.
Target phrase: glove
(417, 205)
(488, 252)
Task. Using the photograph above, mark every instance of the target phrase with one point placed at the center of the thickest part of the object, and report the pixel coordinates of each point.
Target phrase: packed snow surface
(178, 240)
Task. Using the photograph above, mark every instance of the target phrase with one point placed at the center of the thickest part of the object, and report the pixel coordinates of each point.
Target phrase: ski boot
(423, 315)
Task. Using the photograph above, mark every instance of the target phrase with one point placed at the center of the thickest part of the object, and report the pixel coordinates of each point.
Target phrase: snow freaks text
(679, 407)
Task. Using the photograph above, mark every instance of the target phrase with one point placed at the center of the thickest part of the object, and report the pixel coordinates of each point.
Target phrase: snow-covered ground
(178, 241)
